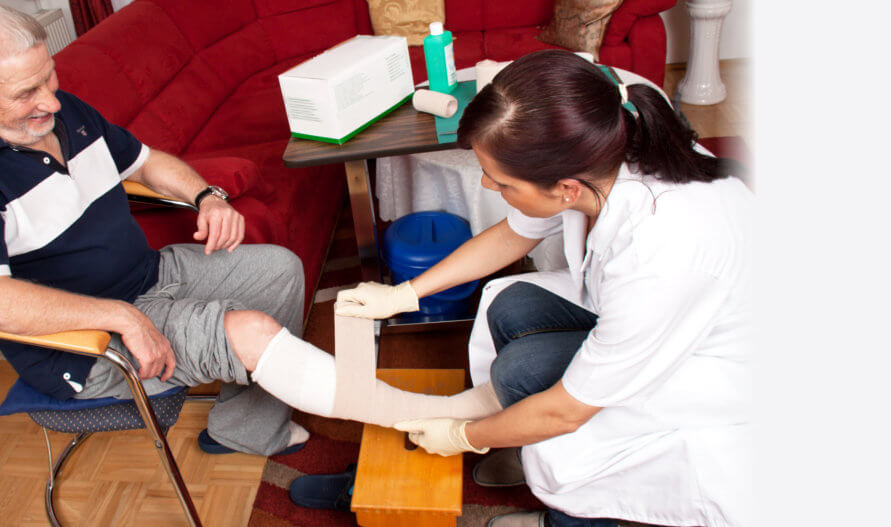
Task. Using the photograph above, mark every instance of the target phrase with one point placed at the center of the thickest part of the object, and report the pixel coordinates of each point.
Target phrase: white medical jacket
(667, 269)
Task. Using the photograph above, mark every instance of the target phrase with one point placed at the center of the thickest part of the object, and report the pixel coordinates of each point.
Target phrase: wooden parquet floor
(116, 478)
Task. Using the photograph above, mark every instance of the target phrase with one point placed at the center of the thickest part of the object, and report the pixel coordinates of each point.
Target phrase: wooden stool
(396, 487)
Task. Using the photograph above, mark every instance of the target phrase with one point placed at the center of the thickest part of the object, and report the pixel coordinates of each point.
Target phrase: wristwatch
(211, 190)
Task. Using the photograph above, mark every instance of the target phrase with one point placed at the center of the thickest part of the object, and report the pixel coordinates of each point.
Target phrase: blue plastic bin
(415, 243)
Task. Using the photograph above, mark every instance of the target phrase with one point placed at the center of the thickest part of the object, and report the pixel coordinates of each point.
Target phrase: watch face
(218, 192)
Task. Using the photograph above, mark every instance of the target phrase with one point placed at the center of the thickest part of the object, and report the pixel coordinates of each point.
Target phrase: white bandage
(440, 104)
(311, 380)
(486, 71)
(298, 373)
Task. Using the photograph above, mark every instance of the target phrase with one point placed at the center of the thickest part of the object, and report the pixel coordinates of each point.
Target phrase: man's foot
(520, 519)
(210, 446)
(324, 491)
(299, 435)
(500, 469)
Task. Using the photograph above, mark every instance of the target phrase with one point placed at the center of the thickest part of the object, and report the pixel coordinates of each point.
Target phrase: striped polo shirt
(70, 228)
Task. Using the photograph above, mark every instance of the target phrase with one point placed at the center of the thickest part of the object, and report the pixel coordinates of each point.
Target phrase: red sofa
(504, 30)
(198, 79)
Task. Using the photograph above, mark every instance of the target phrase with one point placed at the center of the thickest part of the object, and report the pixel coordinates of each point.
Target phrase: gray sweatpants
(187, 305)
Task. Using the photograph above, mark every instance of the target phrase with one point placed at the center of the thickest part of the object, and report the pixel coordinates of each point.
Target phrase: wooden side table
(404, 131)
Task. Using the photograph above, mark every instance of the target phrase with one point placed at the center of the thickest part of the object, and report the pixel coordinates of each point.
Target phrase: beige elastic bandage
(346, 386)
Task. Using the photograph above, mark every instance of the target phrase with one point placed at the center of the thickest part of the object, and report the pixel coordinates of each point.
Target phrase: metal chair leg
(160, 441)
(55, 468)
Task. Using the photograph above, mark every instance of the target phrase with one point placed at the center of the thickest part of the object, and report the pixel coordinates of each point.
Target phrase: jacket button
(46, 161)
(66, 375)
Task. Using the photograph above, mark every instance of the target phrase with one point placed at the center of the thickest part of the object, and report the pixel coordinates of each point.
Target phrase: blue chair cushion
(90, 415)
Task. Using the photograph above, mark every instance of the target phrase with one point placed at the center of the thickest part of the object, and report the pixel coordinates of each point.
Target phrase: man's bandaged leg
(346, 387)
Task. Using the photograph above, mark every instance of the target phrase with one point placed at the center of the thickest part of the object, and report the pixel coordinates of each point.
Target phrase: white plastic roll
(441, 104)
(486, 71)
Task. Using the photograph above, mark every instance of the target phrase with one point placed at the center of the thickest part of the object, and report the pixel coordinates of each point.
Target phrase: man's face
(28, 85)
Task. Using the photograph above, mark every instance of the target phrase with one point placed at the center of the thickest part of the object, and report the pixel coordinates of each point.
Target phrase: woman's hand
(441, 436)
(374, 300)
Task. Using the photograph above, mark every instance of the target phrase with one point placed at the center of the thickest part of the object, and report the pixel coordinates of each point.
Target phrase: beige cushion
(579, 25)
(407, 18)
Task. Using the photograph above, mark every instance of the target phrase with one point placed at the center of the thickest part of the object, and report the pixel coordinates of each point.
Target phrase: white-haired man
(72, 257)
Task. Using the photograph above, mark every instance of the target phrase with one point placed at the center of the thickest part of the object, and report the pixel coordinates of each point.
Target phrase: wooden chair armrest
(84, 341)
(142, 194)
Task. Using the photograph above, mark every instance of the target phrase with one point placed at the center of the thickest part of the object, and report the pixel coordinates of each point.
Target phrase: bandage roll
(440, 104)
(486, 71)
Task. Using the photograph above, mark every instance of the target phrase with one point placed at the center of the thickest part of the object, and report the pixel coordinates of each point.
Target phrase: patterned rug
(325, 456)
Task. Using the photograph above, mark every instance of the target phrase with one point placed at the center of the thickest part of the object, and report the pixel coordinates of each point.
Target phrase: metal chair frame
(159, 440)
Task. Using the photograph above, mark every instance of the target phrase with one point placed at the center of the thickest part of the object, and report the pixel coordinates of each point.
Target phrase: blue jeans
(536, 335)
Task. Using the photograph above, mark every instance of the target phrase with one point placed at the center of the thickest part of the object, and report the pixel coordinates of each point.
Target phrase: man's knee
(286, 264)
(249, 332)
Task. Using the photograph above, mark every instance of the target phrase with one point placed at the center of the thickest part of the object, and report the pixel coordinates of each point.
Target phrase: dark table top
(404, 131)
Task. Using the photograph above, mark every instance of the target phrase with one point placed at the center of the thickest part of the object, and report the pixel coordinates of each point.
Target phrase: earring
(566, 199)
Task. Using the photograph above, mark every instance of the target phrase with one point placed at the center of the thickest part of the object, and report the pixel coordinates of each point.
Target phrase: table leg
(363, 219)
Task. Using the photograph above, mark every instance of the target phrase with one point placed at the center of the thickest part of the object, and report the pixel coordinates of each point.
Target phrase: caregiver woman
(625, 375)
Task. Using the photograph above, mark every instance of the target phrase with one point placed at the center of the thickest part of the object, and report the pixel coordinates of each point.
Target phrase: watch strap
(201, 195)
(210, 190)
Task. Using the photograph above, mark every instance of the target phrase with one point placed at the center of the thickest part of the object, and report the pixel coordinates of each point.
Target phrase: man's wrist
(210, 190)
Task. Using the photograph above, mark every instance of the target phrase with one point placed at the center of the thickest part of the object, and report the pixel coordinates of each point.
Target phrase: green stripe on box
(352, 134)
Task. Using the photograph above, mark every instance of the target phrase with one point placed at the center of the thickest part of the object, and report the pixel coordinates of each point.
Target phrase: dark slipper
(210, 446)
(324, 491)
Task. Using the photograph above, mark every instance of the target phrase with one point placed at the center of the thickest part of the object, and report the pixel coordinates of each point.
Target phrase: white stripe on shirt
(66, 197)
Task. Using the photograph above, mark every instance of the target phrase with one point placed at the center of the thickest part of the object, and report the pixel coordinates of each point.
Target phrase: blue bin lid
(421, 239)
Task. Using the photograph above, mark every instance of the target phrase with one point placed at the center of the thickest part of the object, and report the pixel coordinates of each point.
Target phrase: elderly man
(72, 257)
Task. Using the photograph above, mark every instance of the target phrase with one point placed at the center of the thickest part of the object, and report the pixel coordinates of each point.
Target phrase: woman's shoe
(500, 469)
(324, 491)
(519, 519)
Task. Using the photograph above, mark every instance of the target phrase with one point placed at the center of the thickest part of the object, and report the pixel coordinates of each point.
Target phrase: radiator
(57, 34)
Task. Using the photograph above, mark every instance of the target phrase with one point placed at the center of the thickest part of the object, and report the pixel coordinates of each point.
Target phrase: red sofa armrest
(626, 15)
(235, 174)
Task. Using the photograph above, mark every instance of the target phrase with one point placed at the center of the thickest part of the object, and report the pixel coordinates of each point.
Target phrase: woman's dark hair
(551, 114)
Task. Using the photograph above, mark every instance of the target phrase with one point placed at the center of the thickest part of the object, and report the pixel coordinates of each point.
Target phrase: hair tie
(623, 89)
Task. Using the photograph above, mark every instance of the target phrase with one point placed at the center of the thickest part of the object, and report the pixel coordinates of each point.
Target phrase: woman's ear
(569, 190)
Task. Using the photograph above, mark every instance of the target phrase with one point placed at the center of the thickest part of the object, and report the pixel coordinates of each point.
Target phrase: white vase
(702, 82)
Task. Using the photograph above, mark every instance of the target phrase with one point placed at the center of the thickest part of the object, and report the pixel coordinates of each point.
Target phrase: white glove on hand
(374, 300)
(443, 436)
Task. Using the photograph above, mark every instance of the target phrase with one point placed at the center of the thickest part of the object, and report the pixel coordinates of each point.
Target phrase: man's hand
(151, 349)
(220, 224)
(374, 300)
(441, 436)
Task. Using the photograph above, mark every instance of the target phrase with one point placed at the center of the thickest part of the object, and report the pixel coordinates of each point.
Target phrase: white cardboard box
(337, 94)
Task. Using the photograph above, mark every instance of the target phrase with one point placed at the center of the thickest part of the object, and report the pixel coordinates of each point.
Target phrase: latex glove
(443, 436)
(374, 300)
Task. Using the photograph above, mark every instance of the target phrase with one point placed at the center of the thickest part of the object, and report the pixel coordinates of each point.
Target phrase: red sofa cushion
(620, 24)
(204, 22)
(237, 175)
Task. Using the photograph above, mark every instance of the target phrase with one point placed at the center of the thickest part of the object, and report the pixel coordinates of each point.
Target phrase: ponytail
(551, 115)
(662, 145)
